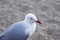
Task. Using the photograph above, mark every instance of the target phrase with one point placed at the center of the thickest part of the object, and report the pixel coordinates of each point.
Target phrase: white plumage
(21, 30)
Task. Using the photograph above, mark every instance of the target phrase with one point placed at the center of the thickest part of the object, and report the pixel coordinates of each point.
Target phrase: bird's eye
(31, 18)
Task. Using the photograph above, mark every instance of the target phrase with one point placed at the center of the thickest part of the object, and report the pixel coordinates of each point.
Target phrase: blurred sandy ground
(48, 11)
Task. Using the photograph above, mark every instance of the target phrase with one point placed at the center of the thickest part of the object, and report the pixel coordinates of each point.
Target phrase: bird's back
(15, 32)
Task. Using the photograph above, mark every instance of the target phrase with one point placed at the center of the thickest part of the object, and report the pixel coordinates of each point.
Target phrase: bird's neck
(30, 28)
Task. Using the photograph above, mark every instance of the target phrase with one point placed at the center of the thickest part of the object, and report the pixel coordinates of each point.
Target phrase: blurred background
(48, 11)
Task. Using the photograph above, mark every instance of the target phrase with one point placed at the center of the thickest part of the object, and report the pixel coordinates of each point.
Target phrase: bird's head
(31, 18)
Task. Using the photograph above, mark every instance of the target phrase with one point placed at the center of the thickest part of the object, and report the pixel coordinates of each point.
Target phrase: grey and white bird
(21, 30)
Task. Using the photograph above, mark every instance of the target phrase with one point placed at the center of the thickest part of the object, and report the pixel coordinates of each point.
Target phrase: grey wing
(13, 36)
(15, 33)
(1, 36)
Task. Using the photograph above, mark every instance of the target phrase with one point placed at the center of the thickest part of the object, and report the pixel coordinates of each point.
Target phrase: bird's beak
(38, 22)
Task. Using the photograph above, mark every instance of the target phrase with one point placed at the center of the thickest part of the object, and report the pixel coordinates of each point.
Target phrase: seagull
(21, 30)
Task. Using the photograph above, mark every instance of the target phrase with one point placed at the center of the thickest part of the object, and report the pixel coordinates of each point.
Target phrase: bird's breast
(31, 29)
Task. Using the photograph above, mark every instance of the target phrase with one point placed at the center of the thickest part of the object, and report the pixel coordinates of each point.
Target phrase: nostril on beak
(38, 22)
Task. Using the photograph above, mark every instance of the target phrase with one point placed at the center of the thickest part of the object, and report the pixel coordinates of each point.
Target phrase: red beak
(38, 22)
